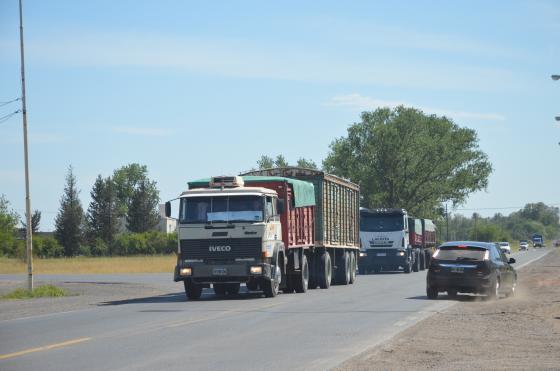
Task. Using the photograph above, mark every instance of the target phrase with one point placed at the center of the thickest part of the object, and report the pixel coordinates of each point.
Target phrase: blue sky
(193, 89)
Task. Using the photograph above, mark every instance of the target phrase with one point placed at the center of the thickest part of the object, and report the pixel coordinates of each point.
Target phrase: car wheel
(494, 290)
(511, 292)
(452, 294)
(431, 293)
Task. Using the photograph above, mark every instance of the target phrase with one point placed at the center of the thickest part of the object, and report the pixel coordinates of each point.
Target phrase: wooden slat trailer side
(333, 257)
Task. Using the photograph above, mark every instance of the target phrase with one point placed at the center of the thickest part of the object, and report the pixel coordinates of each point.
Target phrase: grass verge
(38, 292)
(93, 265)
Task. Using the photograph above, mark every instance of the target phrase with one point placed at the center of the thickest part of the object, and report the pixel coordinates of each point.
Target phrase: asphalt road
(316, 330)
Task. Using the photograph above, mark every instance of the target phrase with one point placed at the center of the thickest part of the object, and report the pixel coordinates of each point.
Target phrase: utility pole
(28, 230)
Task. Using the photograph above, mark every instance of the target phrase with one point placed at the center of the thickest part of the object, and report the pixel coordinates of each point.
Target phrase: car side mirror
(281, 206)
(168, 209)
(511, 260)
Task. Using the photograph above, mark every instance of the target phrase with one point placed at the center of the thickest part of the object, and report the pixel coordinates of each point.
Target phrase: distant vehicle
(392, 239)
(538, 240)
(523, 245)
(505, 247)
(557, 243)
(470, 267)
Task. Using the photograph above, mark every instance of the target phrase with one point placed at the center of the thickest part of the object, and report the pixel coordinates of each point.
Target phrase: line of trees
(120, 219)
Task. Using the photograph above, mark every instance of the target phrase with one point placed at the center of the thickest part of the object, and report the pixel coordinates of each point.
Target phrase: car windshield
(460, 253)
(221, 209)
(504, 243)
(376, 223)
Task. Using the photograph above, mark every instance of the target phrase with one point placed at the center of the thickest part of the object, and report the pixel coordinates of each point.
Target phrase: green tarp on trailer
(304, 192)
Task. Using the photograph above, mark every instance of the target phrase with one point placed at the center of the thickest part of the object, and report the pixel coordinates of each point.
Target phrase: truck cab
(229, 234)
(385, 240)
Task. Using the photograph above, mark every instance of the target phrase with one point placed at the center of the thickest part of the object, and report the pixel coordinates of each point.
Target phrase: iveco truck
(391, 239)
(261, 231)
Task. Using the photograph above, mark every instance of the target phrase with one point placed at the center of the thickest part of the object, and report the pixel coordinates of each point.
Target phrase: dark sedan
(470, 267)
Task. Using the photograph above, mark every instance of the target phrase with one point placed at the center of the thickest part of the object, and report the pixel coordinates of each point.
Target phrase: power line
(2, 104)
(5, 118)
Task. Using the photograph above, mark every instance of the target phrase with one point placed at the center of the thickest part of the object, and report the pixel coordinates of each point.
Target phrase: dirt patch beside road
(520, 333)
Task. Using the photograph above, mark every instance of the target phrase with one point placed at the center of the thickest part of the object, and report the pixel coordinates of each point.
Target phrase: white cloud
(246, 59)
(152, 132)
(360, 102)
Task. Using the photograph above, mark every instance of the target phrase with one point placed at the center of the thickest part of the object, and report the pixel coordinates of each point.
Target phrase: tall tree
(102, 215)
(265, 162)
(280, 161)
(35, 221)
(126, 180)
(404, 158)
(70, 218)
(143, 214)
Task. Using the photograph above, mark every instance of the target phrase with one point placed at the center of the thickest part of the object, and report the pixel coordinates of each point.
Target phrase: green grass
(38, 292)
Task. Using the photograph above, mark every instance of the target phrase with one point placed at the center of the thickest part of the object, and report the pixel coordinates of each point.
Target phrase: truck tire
(232, 288)
(192, 290)
(312, 284)
(342, 273)
(408, 266)
(324, 270)
(272, 286)
(416, 263)
(301, 280)
(219, 288)
(352, 267)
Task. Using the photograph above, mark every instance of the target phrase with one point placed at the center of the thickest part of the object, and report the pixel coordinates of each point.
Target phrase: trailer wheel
(325, 270)
(301, 280)
(343, 270)
(352, 267)
(192, 290)
(312, 284)
(219, 288)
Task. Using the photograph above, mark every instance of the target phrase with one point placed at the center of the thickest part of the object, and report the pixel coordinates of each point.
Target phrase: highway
(313, 331)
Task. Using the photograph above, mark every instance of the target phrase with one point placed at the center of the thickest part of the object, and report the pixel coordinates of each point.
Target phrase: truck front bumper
(231, 272)
(372, 258)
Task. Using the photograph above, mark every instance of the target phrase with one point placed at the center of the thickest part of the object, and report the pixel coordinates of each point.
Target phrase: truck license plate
(219, 271)
(381, 254)
(457, 270)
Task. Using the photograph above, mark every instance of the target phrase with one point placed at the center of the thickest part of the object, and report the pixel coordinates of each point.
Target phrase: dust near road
(520, 333)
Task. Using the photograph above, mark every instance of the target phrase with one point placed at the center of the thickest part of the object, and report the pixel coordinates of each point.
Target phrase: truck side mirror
(168, 209)
(281, 206)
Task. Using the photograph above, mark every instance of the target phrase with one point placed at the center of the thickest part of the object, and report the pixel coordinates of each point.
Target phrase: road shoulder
(511, 334)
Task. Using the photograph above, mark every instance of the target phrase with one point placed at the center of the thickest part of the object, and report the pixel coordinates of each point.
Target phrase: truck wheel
(342, 274)
(416, 264)
(272, 286)
(431, 293)
(352, 267)
(312, 284)
(302, 279)
(408, 266)
(232, 288)
(219, 288)
(192, 290)
(325, 270)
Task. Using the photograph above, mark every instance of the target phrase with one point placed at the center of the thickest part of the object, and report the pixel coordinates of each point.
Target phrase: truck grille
(221, 248)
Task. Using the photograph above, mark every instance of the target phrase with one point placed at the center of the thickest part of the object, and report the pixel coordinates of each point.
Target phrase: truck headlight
(255, 270)
(185, 272)
(400, 253)
(362, 254)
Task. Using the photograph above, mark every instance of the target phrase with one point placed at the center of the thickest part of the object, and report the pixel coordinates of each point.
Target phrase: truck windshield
(221, 209)
(377, 223)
